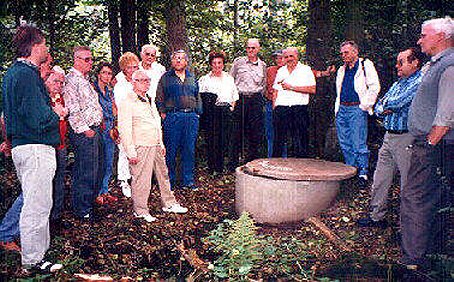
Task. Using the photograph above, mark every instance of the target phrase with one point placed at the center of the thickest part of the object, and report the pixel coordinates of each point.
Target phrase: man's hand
(61, 111)
(133, 161)
(163, 116)
(163, 151)
(90, 133)
(286, 86)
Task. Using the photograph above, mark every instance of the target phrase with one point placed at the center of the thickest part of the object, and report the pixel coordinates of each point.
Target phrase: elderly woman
(220, 94)
(129, 63)
(139, 125)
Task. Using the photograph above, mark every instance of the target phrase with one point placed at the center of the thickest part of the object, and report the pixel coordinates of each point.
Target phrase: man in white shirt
(294, 83)
(152, 68)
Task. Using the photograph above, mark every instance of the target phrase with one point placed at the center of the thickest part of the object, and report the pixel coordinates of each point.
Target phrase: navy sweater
(29, 117)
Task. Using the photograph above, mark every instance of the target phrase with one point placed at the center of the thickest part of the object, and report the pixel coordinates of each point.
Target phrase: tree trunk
(114, 32)
(319, 54)
(175, 18)
(143, 14)
(51, 22)
(128, 25)
(355, 22)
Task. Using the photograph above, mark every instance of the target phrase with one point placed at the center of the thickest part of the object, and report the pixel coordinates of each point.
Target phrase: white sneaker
(175, 208)
(125, 188)
(147, 217)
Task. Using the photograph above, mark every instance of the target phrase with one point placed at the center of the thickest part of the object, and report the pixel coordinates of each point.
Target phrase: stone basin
(288, 190)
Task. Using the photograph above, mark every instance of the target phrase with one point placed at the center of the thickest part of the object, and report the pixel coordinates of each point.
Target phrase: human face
(45, 68)
(179, 62)
(54, 83)
(141, 84)
(291, 57)
(252, 49)
(40, 52)
(148, 56)
(83, 61)
(349, 54)
(217, 65)
(429, 40)
(105, 75)
(403, 66)
(130, 69)
(280, 60)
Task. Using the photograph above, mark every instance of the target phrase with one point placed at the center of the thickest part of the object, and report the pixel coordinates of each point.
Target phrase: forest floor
(122, 247)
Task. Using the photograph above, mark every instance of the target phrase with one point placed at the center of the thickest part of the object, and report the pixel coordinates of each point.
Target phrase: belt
(350, 103)
(222, 104)
(397, 131)
(184, 110)
(250, 94)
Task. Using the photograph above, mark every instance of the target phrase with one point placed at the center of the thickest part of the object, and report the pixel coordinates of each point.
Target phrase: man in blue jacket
(32, 127)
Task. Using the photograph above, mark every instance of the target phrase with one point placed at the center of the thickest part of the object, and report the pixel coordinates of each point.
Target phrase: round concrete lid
(299, 169)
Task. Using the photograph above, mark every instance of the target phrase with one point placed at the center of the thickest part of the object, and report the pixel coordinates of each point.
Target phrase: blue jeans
(351, 123)
(87, 171)
(180, 133)
(9, 228)
(269, 129)
(108, 156)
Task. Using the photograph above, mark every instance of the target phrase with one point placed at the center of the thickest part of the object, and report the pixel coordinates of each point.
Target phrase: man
(85, 118)
(294, 83)
(393, 154)
(179, 103)
(129, 63)
(250, 78)
(357, 88)
(271, 72)
(32, 127)
(140, 130)
(430, 121)
(152, 68)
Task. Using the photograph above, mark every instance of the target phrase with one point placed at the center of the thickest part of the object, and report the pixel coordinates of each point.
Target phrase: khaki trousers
(150, 159)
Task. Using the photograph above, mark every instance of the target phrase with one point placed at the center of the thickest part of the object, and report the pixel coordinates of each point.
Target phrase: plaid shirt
(82, 102)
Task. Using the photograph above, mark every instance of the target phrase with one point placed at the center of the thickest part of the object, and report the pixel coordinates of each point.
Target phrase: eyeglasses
(87, 59)
(150, 54)
(106, 72)
(251, 47)
(142, 80)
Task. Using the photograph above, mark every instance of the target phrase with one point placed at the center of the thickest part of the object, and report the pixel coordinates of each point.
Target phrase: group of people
(152, 115)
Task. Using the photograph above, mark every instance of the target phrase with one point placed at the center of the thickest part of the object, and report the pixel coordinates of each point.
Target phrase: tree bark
(143, 14)
(175, 17)
(355, 22)
(114, 32)
(319, 54)
(128, 25)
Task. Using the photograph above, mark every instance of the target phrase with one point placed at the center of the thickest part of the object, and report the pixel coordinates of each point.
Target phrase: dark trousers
(290, 126)
(247, 129)
(419, 201)
(59, 185)
(87, 171)
(180, 134)
(218, 120)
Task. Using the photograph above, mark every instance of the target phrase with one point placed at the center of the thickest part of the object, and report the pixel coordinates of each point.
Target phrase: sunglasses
(87, 59)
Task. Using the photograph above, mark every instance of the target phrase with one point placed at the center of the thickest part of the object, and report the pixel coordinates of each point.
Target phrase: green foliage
(239, 246)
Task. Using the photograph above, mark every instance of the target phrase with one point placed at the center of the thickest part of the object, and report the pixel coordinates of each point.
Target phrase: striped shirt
(398, 100)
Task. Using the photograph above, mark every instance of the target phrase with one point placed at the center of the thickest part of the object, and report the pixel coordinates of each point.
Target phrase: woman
(106, 100)
(139, 125)
(129, 63)
(220, 94)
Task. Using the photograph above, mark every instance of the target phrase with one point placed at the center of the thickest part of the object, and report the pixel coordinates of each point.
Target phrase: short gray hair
(137, 73)
(444, 25)
(148, 46)
(180, 51)
(351, 43)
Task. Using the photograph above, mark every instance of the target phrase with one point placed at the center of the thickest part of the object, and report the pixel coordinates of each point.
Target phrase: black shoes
(369, 222)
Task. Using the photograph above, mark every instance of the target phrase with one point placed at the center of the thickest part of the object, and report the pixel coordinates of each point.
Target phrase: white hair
(148, 46)
(58, 69)
(137, 73)
(444, 25)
